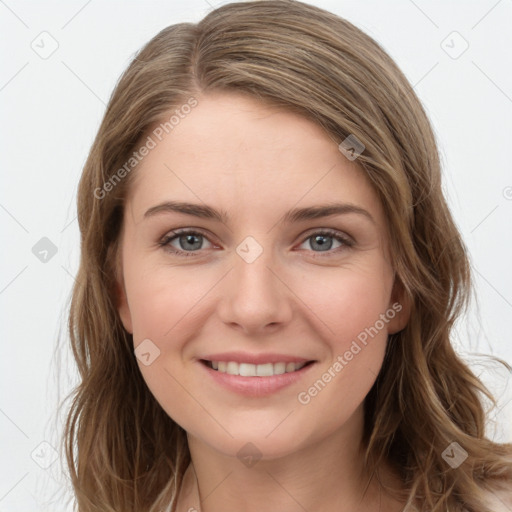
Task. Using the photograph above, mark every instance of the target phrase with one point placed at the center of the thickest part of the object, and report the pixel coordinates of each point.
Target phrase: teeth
(246, 370)
(255, 370)
(232, 368)
(290, 367)
(280, 368)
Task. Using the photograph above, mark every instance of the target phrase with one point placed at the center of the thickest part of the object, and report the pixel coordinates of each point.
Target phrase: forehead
(242, 155)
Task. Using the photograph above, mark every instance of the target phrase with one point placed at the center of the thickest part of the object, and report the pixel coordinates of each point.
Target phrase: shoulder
(499, 493)
(499, 500)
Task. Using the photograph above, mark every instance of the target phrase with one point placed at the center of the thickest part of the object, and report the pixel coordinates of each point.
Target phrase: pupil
(322, 245)
(189, 239)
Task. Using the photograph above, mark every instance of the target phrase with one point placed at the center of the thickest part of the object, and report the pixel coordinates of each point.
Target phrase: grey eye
(321, 242)
(190, 242)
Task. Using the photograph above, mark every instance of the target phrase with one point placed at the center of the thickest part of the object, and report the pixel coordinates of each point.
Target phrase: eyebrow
(298, 214)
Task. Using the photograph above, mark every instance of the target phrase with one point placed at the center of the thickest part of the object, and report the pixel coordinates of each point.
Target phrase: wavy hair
(123, 451)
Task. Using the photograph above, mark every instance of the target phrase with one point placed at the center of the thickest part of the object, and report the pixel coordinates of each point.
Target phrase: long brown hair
(124, 452)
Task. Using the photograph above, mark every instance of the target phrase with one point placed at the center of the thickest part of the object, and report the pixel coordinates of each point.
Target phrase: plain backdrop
(60, 62)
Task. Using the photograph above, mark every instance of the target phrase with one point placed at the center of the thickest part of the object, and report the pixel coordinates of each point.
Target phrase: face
(256, 274)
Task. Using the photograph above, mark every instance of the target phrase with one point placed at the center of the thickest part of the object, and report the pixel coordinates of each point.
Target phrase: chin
(250, 450)
(256, 442)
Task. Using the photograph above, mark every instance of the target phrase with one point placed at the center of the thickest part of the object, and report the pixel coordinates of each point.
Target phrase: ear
(401, 304)
(120, 295)
(122, 306)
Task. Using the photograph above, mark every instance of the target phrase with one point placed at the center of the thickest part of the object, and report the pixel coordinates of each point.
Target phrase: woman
(268, 281)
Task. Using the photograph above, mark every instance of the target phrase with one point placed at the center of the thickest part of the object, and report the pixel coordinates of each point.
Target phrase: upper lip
(244, 357)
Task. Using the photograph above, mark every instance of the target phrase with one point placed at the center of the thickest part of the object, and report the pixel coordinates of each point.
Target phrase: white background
(51, 109)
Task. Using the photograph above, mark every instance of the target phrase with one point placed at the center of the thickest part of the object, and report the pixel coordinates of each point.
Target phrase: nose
(255, 299)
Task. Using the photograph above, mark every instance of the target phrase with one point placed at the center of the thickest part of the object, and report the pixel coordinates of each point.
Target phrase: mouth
(255, 370)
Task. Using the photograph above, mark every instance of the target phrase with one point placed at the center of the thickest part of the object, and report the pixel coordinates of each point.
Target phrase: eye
(184, 242)
(323, 241)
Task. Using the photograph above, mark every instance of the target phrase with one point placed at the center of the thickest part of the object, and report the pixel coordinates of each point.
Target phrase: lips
(255, 375)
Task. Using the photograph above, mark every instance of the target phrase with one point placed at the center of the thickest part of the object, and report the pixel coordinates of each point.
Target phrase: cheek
(163, 304)
(339, 385)
(348, 301)
(354, 306)
(161, 299)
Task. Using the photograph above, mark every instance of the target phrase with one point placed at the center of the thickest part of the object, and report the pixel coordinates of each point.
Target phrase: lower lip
(256, 386)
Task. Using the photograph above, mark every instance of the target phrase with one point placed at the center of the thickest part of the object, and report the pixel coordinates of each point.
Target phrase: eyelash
(166, 240)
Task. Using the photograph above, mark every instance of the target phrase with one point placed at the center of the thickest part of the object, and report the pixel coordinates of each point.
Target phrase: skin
(256, 163)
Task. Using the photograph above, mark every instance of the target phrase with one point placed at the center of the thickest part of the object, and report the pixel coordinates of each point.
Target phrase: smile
(256, 380)
(255, 370)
